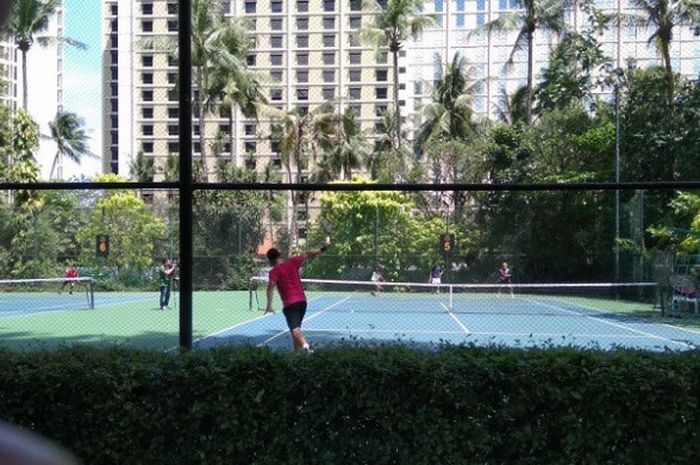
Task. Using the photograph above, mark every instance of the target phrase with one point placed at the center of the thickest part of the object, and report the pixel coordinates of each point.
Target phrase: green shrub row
(359, 406)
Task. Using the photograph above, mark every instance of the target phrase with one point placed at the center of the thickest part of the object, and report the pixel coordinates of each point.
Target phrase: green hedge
(359, 406)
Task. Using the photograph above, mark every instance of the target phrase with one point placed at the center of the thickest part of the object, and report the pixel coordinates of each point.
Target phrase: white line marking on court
(319, 313)
(477, 333)
(454, 317)
(616, 325)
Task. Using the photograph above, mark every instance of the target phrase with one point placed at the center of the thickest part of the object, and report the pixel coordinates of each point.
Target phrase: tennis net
(26, 296)
(405, 297)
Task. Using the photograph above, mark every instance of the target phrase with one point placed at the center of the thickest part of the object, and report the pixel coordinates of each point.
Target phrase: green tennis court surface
(37, 320)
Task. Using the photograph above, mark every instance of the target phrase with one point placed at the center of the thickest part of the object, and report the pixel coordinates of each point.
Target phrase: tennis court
(43, 319)
(587, 316)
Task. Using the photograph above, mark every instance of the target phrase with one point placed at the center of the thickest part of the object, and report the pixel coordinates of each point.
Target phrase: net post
(451, 287)
(91, 293)
(250, 295)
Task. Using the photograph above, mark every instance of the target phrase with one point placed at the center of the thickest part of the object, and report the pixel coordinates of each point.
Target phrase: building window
(172, 60)
(276, 24)
(329, 22)
(355, 75)
(147, 61)
(172, 95)
(172, 25)
(303, 23)
(275, 94)
(355, 5)
(302, 76)
(355, 93)
(250, 146)
(173, 147)
(113, 9)
(276, 6)
(115, 104)
(276, 59)
(302, 41)
(328, 58)
(115, 74)
(174, 130)
(303, 94)
(302, 58)
(147, 130)
(114, 87)
(328, 93)
(355, 58)
(303, 6)
(172, 8)
(276, 41)
(147, 95)
(114, 41)
(250, 7)
(381, 92)
(250, 59)
(328, 75)
(328, 40)
(328, 5)
(172, 78)
(173, 112)
(355, 22)
(147, 147)
(276, 75)
(147, 78)
(147, 26)
(379, 110)
(382, 75)
(249, 129)
(354, 39)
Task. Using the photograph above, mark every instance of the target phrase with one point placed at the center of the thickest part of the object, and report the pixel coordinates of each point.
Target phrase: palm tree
(29, 18)
(68, 133)
(662, 16)
(386, 162)
(141, 168)
(213, 40)
(449, 114)
(395, 22)
(351, 149)
(545, 15)
(303, 137)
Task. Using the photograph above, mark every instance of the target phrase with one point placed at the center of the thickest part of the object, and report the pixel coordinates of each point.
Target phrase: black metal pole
(185, 184)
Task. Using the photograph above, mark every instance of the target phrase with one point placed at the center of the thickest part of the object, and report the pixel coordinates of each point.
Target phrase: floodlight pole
(185, 161)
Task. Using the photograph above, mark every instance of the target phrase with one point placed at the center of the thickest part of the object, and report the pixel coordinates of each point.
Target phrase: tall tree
(449, 114)
(533, 15)
(29, 18)
(212, 47)
(236, 86)
(351, 149)
(395, 22)
(303, 138)
(662, 16)
(68, 133)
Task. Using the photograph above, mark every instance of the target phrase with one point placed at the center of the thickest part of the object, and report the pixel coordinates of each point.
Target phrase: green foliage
(133, 230)
(374, 406)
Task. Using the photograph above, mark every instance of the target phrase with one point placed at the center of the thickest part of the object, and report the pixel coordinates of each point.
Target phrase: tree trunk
(669, 73)
(397, 107)
(530, 57)
(234, 152)
(25, 93)
(200, 107)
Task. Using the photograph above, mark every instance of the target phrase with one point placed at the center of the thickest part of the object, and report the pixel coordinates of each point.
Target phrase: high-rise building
(310, 49)
(312, 52)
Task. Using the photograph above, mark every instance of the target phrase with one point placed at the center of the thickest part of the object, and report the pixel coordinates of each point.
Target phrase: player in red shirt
(284, 275)
(70, 273)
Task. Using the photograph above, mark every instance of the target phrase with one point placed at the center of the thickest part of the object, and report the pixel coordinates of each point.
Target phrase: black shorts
(294, 314)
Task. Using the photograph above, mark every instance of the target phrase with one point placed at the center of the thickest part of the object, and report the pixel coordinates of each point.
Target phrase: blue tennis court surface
(27, 303)
(430, 320)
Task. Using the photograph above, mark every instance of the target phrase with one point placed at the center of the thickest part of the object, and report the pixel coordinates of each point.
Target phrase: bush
(359, 406)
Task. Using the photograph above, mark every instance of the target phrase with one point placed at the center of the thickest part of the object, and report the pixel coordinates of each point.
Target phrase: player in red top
(285, 276)
(71, 273)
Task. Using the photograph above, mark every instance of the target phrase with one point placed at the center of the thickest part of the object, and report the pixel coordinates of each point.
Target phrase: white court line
(476, 333)
(610, 323)
(320, 312)
(454, 317)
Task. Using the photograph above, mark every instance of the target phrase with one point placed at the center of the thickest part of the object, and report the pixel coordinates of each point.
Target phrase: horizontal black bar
(348, 187)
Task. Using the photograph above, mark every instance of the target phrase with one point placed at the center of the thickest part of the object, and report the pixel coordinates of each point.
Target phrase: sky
(82, 79)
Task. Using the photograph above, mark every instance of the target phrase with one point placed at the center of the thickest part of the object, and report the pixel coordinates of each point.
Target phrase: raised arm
(316, 252)
(270, 293)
